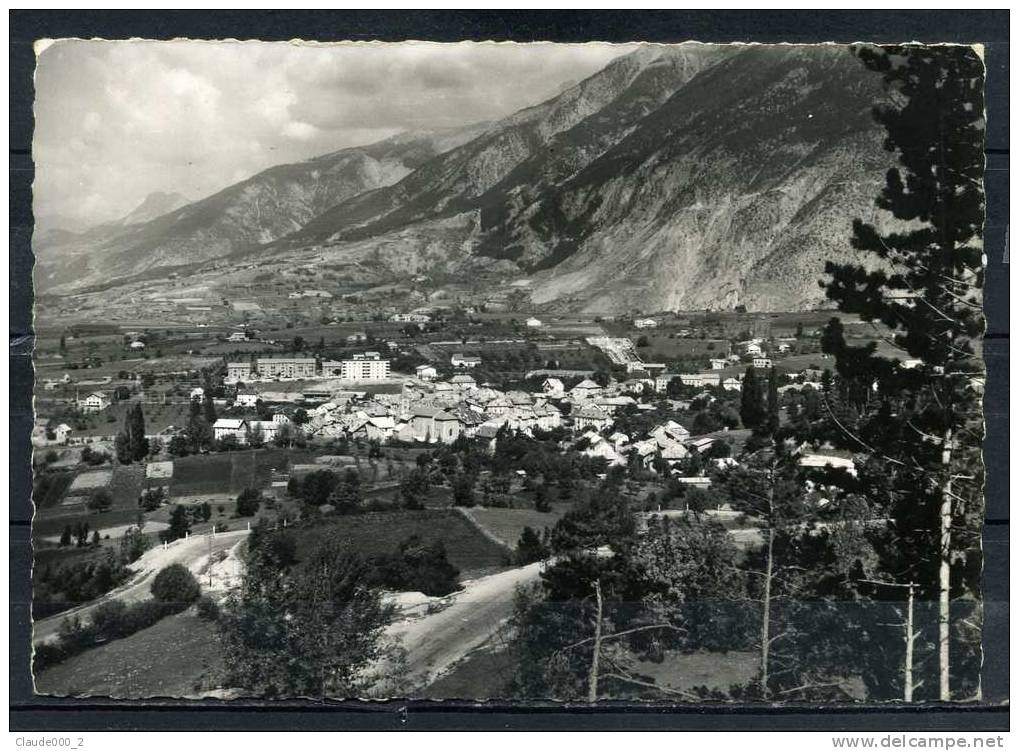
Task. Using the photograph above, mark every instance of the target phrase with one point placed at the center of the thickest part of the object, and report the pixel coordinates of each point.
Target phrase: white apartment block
(238, 371)
(286, 367)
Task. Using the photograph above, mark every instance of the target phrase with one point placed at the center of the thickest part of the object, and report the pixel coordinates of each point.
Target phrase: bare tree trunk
(766, 614)
(592, 686)
(944, 571)
(907, 691)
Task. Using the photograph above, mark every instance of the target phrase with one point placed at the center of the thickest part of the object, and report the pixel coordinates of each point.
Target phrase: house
(663, 380)
(586, 389)
(238, 371)
(137, 344)
(464, 382)
(645, 323)
(532, 323)
(430, 424)
(409, 318)
(237, 336)
(357, 337)
(246, 398)
(591, 416)
(225, 427)
(94, 402)
(499, 406)
(784, 347)
(426, 372)
(696, 482)
(700, 380)
(380, 428)
(732, 384)
(553, 387)
(671, 430)
(673, 452)
(464, 361)
(832, 459)
(47, 436)
(718, 363)
(752, 348)
(812, 375)
(762, 362)
(602, 449)
(547, 417)
(197, 392)
(268, 429)
(700, 444)
(612, 404)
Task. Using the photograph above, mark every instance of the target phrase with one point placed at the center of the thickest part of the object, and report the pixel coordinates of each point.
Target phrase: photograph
(542, 373)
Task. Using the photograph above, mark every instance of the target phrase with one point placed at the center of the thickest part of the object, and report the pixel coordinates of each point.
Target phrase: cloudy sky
(116, 121)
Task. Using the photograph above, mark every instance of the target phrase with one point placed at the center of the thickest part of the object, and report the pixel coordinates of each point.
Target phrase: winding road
(193, 552)
(436, 641)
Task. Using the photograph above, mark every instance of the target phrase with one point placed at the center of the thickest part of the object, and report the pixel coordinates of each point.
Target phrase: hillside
(675, 178)
(694, 176)
(258, 210)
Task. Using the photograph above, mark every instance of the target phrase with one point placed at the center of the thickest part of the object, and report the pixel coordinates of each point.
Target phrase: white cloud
(116, 121)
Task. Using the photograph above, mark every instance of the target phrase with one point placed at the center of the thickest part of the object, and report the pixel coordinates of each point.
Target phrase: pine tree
(773, 401)
(752, 409)
(209, 409)
(925, 285)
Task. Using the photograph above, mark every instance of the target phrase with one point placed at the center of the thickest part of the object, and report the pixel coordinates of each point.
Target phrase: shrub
(208, 609)
(175, 585)
(108, 619)
(248, 502)
(101, 500)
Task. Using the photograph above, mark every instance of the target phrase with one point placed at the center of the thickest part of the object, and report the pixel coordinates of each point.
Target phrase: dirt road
(436, 641)
(193, 553)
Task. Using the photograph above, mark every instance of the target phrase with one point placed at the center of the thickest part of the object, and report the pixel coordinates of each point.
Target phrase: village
(475, 430)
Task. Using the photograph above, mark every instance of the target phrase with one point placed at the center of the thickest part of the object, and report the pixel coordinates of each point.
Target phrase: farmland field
(178, 656)
(382, 532)
(125, 486)
(508, 523)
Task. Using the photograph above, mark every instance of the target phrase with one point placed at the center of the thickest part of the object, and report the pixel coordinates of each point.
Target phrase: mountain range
(677, 177)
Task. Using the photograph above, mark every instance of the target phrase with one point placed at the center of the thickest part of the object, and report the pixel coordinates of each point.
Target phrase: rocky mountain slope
(154, 206)
(695, 176)
(258, 210)
(687, 177)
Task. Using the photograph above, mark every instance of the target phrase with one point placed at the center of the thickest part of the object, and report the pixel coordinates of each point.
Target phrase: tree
(463, 489)
(179, 445)
(530, 547)
(180, 524)
(100, 500)
(414, 488)
(65, 536)
(175, 585)
(752, 408)
(772, 403)
(208, 408)
(346, 496)
(307, 632)
(927, 288)
(248, 502)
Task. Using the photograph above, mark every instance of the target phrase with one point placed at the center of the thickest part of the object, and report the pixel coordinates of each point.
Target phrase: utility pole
(944, 571)
(592, 689)
(907, 682)
(909, 636)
